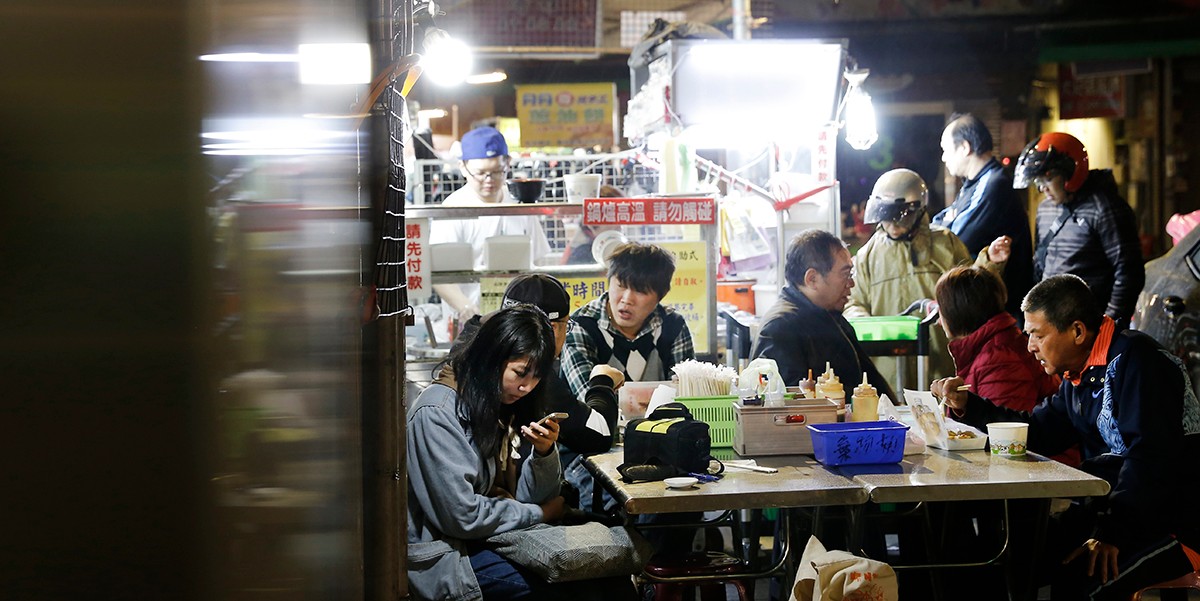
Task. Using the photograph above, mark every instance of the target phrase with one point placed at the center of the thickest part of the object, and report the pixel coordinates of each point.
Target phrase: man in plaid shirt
(626, 327)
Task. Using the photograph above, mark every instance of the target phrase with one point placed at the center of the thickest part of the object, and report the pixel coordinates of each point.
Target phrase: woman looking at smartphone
(463, 488)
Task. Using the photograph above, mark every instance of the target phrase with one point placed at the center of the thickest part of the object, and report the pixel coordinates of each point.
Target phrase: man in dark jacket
(805, 329)
(1129, 405)
(1084, 227)
(987, 206)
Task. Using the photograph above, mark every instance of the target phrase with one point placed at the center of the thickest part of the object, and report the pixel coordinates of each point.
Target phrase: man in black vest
(627, 327)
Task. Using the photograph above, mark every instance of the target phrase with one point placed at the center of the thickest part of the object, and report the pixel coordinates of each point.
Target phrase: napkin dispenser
(451, 256)
(780, 430)
(506, 253)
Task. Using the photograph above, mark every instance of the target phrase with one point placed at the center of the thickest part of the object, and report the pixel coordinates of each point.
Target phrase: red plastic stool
(1191, 581)
(697, 564)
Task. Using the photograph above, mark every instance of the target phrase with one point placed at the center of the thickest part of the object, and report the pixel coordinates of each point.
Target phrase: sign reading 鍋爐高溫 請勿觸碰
(649, 211)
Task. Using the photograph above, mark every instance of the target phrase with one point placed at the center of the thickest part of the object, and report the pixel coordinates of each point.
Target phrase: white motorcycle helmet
(899, 196)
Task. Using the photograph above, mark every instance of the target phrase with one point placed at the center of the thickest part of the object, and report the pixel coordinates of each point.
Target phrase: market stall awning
(1076, 52)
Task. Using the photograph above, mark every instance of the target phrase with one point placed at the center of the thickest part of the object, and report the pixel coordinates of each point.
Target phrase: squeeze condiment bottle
(864, 403)
(808, 386)
(830, 387)
(825, 376)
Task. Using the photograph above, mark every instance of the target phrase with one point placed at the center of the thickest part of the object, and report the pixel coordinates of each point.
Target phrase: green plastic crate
(888, 327)
(717, 412)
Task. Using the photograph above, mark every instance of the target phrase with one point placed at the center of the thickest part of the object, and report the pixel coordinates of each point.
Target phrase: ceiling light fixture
(447, 60)
(496, 76)
(857, 113)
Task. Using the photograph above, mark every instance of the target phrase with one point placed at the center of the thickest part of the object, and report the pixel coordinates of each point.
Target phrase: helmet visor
(895, 210)
(1031, 166)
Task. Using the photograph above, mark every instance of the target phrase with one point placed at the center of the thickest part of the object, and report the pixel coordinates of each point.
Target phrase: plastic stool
(1191, 581)
(697, 564)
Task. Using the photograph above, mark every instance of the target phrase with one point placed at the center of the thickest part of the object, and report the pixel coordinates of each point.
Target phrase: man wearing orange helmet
(1084, 227)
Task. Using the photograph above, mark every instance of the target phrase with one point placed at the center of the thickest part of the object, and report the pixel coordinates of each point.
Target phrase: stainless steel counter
(936, 475)
(800, 482)
(972, 475)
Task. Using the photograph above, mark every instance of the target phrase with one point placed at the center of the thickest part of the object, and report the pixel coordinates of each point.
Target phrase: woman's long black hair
(522, 331)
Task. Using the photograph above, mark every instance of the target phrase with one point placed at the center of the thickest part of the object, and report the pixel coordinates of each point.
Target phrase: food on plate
(960, 434)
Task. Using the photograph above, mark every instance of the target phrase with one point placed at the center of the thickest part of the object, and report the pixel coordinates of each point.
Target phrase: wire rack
(435, 179)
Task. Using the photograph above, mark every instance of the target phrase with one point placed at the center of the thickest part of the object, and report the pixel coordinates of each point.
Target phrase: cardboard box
(780, 430)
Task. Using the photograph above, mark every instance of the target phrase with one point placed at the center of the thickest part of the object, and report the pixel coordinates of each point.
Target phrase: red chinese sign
(1090, 96)
(649, 211)
(416, 260)
(823, 162)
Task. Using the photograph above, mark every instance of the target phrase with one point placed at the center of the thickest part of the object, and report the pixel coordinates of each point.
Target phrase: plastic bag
(762, 375)
(940, 431)
(837, 575)
(914, 444)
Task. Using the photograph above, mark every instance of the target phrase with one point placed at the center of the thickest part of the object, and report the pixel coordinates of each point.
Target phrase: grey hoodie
(448, 502)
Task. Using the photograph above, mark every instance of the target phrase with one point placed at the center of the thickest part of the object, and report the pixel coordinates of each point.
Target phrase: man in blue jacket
(1129, 405)
(987, 206)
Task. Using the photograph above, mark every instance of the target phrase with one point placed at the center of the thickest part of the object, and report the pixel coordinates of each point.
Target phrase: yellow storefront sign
(570, 114)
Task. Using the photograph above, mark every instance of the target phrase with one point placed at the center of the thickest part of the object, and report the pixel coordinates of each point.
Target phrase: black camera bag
(669, 437)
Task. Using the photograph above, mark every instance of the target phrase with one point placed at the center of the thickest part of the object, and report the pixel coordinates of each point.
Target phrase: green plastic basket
(894, 327)
(718, 413)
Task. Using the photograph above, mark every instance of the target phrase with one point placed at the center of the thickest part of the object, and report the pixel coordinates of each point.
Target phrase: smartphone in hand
(557, 416)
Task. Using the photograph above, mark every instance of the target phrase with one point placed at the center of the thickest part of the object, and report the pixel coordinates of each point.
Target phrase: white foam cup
(582, 185)
(1008, 438)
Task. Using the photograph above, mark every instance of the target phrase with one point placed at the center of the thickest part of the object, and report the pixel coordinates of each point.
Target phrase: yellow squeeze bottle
(830, 387)
(864, 404)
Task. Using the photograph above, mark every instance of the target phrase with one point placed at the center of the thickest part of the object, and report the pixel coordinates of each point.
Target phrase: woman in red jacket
(989, 350)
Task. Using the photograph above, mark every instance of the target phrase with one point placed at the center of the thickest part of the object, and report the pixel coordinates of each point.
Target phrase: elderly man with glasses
(484, 164)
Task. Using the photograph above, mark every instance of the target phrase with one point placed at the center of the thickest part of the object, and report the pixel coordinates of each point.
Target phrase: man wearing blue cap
(484, 164)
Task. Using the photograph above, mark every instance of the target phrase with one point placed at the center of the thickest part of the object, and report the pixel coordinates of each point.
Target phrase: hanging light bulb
(447, 61)
(859, 113)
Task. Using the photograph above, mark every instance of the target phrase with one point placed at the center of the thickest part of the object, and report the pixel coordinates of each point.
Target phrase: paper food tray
(936, 428)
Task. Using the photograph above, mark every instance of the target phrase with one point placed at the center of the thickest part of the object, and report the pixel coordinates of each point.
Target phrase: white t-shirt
(477, 231)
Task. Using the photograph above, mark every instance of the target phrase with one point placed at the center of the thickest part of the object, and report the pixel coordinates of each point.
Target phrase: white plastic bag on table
(914, 444)
(937, 429)
(751, 377)
(837, 575)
